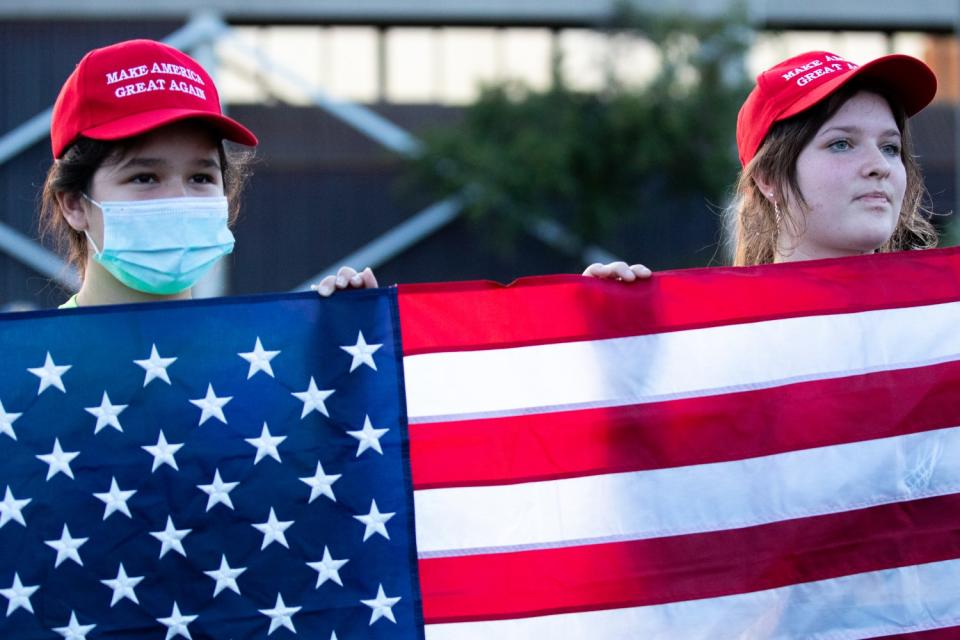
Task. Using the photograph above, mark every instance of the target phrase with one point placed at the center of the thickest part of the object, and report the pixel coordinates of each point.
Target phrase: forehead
(864, 110)
(178, 142)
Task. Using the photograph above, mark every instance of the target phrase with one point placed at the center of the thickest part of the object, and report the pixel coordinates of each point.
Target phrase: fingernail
(341, 282)
(356, 280)
(325, 290)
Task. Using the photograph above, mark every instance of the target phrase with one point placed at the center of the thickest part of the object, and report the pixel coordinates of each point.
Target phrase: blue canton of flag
(232, 468)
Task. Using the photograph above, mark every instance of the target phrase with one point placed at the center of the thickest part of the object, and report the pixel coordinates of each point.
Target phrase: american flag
(221, 469)
(768, 452)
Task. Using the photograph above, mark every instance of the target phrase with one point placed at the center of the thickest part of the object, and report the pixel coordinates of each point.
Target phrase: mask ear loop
(83, 194)
(97, 251)
(87, 233)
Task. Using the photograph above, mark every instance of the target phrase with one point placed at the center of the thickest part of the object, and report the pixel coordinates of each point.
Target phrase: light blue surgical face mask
(162, 246)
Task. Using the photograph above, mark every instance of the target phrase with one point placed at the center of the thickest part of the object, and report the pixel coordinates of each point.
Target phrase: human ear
(74, 210)
(766, 187)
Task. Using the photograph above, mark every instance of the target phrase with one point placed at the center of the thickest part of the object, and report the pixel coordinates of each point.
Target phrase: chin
(867, 245)
(870, 238)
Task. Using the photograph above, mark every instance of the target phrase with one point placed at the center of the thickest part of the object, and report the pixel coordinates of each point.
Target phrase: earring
(776, 213)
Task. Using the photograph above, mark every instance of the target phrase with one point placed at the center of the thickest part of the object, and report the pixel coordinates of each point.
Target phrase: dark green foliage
(597, 162)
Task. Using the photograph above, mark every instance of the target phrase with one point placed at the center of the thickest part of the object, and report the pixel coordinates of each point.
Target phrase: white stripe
(678, 364)
(863, 605)
(683, 500)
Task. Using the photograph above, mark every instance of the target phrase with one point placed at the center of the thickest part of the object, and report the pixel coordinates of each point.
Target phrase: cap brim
(144, 122)
(907, 79)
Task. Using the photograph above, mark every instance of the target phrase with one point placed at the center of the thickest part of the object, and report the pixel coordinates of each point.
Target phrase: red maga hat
(133, 87)
(800, 82)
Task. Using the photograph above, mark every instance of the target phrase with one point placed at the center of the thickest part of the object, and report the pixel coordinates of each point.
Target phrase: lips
(874, 196)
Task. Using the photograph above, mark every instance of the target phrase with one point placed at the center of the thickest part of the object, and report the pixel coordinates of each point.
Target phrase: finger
(325, 287)
(344, 274)
(591, 271)
(362, 280)
(623, 272)
(369, 280)
(615, 271)
(605, 271)
(641, 271)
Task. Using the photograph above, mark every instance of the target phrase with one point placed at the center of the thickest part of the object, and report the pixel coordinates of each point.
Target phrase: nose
(876, 164)
(174, 189)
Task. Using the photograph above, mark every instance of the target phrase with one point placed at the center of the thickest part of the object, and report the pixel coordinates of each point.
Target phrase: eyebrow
(854, 129)
(153, 163)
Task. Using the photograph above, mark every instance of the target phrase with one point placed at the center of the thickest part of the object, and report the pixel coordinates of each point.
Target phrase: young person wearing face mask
(827, 166)
(142, 190)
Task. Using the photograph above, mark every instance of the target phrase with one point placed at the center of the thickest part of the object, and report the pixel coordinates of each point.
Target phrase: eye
(144, 178)
(206, 177)
(839, 145)
(891, 149)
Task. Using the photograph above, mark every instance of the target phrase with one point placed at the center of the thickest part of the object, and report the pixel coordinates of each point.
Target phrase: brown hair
(73, 173)
(754, 218)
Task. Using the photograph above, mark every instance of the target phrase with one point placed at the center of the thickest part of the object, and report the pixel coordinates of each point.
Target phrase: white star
(313, 399)
(74, 630)
(212, 405)
(10, 509)
(375, 522)
(18, 595)
(381, 606)
(320, 484)
(171, 537)
(66, 547)
(266, 444)
(259, 360)
(328, 568)
(368, 436)
(59, 460)
(123, 586)
(7, 420)
(218, 490)
(162, 452)
(155, 366)
(49, 374)
(362, 353)
(115, 500)
(226, 577)
(106, 414)
(177, 624)
(280, 616)
(272, 530)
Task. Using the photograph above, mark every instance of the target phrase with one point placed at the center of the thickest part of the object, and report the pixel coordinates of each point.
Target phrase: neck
(791, 249)
(798, 254)
(99, 287)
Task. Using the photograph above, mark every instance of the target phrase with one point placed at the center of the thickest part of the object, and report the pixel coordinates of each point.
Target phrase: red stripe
(477, 315)
(947, 633)
(662, 570)
(684, 432)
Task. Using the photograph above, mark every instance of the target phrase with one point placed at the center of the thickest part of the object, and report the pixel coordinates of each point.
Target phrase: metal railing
(202, 32)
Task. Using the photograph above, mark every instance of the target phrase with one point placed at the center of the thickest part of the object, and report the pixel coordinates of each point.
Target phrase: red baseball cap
(800, 82)
(133, 87)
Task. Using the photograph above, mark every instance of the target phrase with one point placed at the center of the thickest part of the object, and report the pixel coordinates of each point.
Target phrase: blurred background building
(340, 93)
